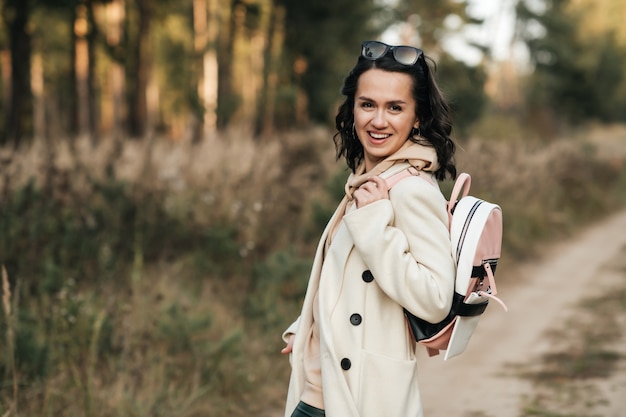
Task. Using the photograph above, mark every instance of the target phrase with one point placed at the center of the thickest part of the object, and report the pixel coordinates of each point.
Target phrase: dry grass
(160, 341)
(10, 340)
(264, 185)
(221, 179)
(547, 189)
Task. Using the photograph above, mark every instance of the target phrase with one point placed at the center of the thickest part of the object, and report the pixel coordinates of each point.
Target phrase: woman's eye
(366, 104)
(396, 108)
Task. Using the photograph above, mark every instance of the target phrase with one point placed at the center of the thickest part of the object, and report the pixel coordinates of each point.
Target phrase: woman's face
(384, 113)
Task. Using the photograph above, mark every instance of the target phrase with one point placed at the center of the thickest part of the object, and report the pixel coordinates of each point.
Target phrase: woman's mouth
(379, 136)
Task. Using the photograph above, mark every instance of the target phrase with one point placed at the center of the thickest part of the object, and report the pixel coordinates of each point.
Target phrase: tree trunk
(92, 39)
(249, 63)
(211, 70)
(5, 66)
(37, 87)
(19, 109)
(153, 96)
(225, 93)
(81, 71)
(276, 35)
(113, 103)
(139, 73)
(240, 72)
(206, 29)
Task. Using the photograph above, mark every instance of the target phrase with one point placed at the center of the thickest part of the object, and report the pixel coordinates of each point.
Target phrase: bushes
(94, 237)
(136, 296)
(547, 190)
(90, 309)
(277, 287)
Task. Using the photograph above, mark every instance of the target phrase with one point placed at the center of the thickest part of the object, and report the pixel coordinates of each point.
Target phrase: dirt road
(541, 296)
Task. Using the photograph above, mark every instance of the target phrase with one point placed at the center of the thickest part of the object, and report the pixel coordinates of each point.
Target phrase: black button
(356, 319)
(367, 276)
(345, 364)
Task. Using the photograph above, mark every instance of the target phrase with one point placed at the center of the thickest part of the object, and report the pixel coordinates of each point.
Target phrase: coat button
(345, 364)
(356, 319)
(367, 276)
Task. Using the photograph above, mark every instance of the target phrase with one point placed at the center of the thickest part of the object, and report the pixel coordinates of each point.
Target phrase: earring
(415, 132)
(354, 135)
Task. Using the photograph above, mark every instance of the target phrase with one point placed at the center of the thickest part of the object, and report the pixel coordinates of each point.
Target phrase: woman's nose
(379, 120)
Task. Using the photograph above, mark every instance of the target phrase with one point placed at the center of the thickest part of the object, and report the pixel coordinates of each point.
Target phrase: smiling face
(384, 113)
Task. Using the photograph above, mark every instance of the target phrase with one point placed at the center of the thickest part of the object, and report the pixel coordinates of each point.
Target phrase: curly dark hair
(432, 111)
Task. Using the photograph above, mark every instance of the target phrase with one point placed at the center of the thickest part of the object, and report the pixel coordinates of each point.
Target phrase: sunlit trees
(187, 68)
(578, 75)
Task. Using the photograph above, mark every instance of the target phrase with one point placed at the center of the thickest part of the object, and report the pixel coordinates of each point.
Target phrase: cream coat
(369, 365)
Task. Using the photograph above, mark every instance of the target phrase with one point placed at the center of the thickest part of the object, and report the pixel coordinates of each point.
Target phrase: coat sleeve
(405, 243)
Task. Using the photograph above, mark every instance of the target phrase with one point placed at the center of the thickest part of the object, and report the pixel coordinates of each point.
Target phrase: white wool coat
(367, 353)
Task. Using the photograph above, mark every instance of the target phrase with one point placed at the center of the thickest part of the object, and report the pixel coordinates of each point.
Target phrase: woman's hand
(373, 190)
(287, 349)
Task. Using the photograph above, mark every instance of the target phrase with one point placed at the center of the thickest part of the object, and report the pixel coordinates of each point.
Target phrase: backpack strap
(492, 286)
(460, 190)
(411, 171)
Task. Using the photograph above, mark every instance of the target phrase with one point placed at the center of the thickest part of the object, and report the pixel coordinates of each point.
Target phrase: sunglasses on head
(405, 55)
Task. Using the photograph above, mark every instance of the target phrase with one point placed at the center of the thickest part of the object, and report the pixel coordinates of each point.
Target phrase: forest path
(541, 296)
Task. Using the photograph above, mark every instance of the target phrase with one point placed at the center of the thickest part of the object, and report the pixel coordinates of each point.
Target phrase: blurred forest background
(166, 168)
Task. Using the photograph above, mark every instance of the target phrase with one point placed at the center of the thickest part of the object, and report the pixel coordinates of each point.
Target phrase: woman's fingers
(287, 349)
(373, 190)
(381, 184)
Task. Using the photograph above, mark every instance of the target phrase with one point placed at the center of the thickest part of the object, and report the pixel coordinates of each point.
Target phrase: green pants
(305, 410)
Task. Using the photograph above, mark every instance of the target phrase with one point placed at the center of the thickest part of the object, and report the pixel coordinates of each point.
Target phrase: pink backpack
(476, 239)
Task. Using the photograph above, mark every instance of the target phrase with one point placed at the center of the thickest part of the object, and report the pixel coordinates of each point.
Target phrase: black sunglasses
(405, 55)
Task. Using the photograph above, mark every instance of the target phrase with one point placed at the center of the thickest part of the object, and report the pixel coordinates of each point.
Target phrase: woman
(352, 354)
